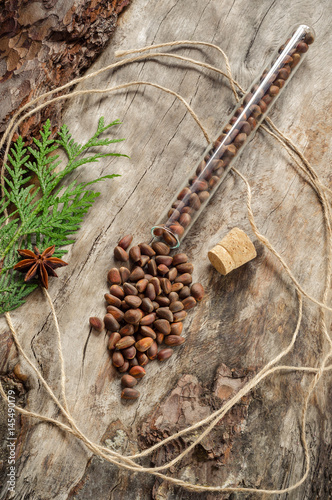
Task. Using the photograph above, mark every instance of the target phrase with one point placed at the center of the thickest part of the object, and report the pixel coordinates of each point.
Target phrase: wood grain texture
(247, 316)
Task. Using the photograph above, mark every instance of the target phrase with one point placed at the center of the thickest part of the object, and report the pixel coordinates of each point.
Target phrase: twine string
(175, 43)
(307, 172)
(59, 349)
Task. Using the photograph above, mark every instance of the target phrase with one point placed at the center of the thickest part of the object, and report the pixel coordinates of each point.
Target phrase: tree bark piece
(46, 44)
(246, 318)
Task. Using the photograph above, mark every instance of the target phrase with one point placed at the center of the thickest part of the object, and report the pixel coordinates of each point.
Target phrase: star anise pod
(40, 264)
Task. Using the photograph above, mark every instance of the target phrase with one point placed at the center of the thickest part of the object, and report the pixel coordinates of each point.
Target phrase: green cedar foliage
(50, 213)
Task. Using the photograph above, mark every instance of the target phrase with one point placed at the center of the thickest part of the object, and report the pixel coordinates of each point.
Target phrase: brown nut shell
(179, 316)
(133, 301)
(152, 267)
(120, 254)
(117, 291)
(116, 312)
(163, 301)
(133, 316)
(117, 359)
(148, 319)
(129, 352)
(125, 367)
(166, 285)
(163, 326)
(147, 331)
(137, 372)
(184, 292)
(279, 83)
(161, 248)
(152, 351)
(197, 291)
(128, 381)
(164, 259)
(144, 344)
(176, 328)
(112, 300)
(296, 59)
(129, 393)
(189, 303)
(174, 340)
(240, 139)
(172, 274)
(147, 305)
(185, 279)
(96, 323)
(136, 274)
(267, 99)
(185, 220)
(113, 339)
(179, 258)
(251, 120)
(111, 323)
(164, 354)
(141, 285)
(203, 196)
(273, 90)
(173, 297)
(147, 250)
(143, 260)
(283, 74)
(165, 313)
(186, 267)
(124, 272)
(114, 276)
(176, 228)
(129, 289)
(169, 238)
(162, 269)
(245, 128)
(125, 342)
(160, 338)
(125, 242)
(176, 306)
(127, 330)
(176, 287)
(135, 253)
(156, 283)
(133, 361)
(185, 192)
(150, 292)
(142, 358)
(302, 47)
(194, 201)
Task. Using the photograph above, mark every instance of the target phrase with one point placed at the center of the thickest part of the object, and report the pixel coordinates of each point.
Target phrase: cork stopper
(234, 250)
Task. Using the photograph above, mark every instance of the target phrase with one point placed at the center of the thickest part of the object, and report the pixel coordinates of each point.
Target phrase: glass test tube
(211, 170)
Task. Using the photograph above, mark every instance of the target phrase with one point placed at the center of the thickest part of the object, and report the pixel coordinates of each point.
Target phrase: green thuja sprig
(49, 213)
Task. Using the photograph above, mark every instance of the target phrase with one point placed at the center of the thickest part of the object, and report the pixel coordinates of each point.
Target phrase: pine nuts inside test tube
(241, 125)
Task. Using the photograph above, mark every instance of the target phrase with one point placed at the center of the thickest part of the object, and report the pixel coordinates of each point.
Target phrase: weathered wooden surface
(246, 318)
(45, 44)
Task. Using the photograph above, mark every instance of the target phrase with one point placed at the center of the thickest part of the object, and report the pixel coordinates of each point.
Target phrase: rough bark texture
(45, 44)
(246, 318)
